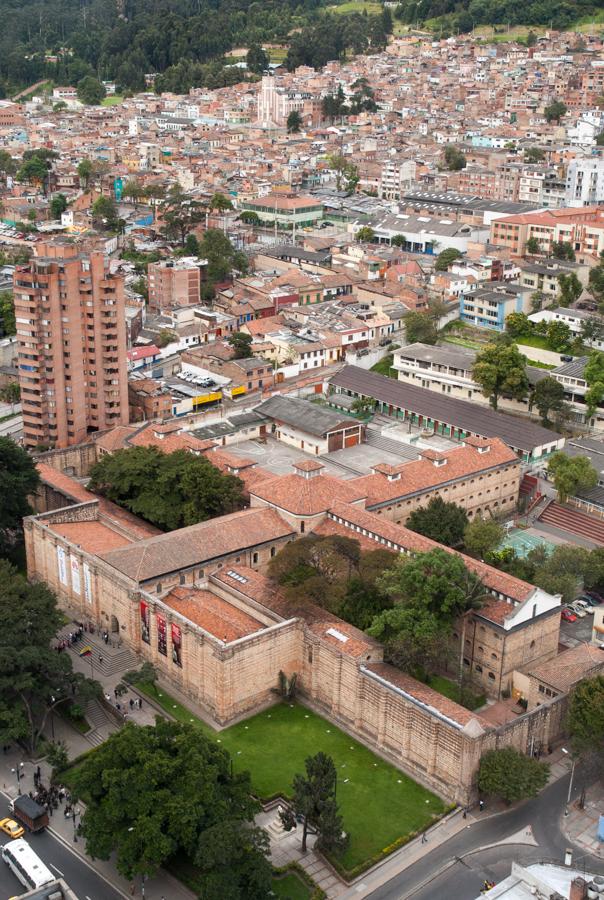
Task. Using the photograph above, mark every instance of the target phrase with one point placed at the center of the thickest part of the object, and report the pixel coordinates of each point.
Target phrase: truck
(31, 815)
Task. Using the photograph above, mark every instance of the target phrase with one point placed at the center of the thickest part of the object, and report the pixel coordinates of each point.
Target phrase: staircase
(96, 716)
(573, 521)
(376, 438)
(115, 660)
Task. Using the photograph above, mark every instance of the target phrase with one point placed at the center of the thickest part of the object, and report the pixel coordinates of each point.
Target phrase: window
(181, 579)
(301, 527)
(254, 557)
(201, 573)
(158, 587)
(492, 676)
(493, 656)
(478, 668)
(273, 551)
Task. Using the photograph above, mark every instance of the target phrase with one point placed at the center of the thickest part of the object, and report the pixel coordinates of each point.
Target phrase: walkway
(581, 825)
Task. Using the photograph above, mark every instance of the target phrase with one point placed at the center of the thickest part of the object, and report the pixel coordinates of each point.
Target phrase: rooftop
(308, 417)
(215, 615)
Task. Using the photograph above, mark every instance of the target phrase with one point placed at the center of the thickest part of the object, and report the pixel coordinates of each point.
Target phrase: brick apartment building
(174, 283)
(582, 227)
(71, 335)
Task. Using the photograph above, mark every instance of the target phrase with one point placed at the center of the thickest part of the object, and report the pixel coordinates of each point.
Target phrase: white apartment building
(585, 182)
(396, 177)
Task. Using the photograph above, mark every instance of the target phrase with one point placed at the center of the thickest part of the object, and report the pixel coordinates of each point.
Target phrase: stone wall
(76, 461)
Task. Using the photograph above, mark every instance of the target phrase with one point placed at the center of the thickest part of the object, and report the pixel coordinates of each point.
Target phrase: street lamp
(572, 775)
(17, 771)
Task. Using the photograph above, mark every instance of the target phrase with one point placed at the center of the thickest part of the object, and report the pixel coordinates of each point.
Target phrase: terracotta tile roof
(72, 489)
(215, 615)
(426, 695)
(198, 544)
(337, 633)
(170, 441)
(116, 438)
(569, 667)
(403, 537)
(94, 537)
(422, 475)
(306, 496)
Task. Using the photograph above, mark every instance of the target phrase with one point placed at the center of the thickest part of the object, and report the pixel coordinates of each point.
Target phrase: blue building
(488, 306)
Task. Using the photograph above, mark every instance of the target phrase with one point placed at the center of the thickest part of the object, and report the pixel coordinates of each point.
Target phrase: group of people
(72, 638)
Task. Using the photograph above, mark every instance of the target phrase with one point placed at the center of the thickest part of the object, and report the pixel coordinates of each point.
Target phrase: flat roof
(520, 434)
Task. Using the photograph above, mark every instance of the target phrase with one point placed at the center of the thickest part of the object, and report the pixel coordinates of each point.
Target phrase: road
(463, 879)
(62, 862)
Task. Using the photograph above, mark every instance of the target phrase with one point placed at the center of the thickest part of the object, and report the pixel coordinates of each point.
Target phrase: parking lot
(573, 633)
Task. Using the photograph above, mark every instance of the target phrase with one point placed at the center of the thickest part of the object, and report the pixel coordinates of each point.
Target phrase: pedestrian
(131, 703)
(115, 693)
(424, 838)
(117, 706)
(100, 660)
(140, 703)
(465, 813)
(481, 805)
(38, 772)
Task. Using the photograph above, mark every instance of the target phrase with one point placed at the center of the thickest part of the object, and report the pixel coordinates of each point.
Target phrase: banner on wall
(145, 623)
(176, 645)
(162, 638)
(87, 584)
(75, 575)
(62, 563)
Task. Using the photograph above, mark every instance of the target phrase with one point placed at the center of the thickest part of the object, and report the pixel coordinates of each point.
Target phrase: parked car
(577, 609)
(595, 596)
(584, 605)
(587, 598)
(568, 615)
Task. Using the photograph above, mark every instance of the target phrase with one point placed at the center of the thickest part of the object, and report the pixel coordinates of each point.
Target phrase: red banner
(145, 623)
(162, 638)
(176, 645)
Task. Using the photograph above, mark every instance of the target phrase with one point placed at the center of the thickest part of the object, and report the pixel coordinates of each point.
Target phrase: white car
(577, 609)
(589, 610)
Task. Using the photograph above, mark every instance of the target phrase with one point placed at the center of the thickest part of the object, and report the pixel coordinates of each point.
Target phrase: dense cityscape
(262, 273)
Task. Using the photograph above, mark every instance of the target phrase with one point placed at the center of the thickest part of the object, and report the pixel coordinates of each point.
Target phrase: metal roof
(518, 433)
(308, 417)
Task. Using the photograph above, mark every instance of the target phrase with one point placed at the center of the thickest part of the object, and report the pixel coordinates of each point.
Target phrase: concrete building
(286, 212)
(174, 283)
(71, 333)
(488, 307)
(585, 182)
(310, 427)
(574, 318)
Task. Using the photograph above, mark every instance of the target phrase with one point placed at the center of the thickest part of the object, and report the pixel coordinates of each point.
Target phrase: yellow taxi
(11, 828)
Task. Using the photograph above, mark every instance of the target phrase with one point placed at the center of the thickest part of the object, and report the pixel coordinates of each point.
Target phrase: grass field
(112, 100)
(534, 340)
(462, 342)
(358, 6)
(384, 367)
(450, 689)
(379, 804)
(277, 54)
(290, 887)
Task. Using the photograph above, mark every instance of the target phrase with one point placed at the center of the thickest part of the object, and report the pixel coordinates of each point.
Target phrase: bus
(26, 865)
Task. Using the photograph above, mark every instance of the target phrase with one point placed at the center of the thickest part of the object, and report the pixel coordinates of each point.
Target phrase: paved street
(63, 862)
(464, 878)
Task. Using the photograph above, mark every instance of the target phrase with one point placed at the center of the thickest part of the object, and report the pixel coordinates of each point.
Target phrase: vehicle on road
(26, 865)
(29, 813)
(11, 828)
(568, 615)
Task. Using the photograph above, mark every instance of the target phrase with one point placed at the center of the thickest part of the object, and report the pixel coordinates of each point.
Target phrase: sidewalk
(581, 825)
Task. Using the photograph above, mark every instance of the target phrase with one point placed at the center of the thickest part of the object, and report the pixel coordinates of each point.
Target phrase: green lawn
(384, 367)
(352, 6)
(111, 100)
(379, 804)
(534, 340)
(463, 342)
(539, 365)
(290, 887)
(450, 689)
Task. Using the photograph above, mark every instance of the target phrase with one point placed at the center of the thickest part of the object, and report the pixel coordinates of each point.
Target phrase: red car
(568, 615)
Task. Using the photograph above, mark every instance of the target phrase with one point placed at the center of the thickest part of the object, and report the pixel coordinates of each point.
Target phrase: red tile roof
(215, 615)
(306, 496)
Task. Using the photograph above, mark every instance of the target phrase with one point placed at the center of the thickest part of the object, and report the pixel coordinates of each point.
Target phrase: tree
(399, 240)
(34, 678)
(250, 217)
(147, 675)
(315, 799)
(220, 202)
(482, 536)
(136, 787)
(10, 393)
(511, 775)
(532, 246)
(134, 191)
(440, 521)
(181, 214)
(413, 638)
(548, 396)
(534, 155)
(365, 235)
(169, 490)
(90, 91)
(571, 474)
(592, 329)
(34, 169)
(316, 569)
(57, 755)
(420, 328)
(363, 406)
(104, 212)
(454, 158)
(585, 720)
(294, 122)
(58, 205)
(517, 324)
(593, 373)
(19, 479)
(347, 174)
(257, 59)
(563, 250)
(446, 258)
(500, 369)
(84, 170)
(7, 313)
(593, 398)
(8, 166)
(570, 288)
(241, 344)
(555, 111)
(558, 335)
(221, 256)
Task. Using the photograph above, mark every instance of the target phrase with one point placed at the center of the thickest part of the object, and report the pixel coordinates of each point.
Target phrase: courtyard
(380, 805)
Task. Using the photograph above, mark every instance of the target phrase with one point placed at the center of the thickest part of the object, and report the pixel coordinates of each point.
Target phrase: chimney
(578, 889)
